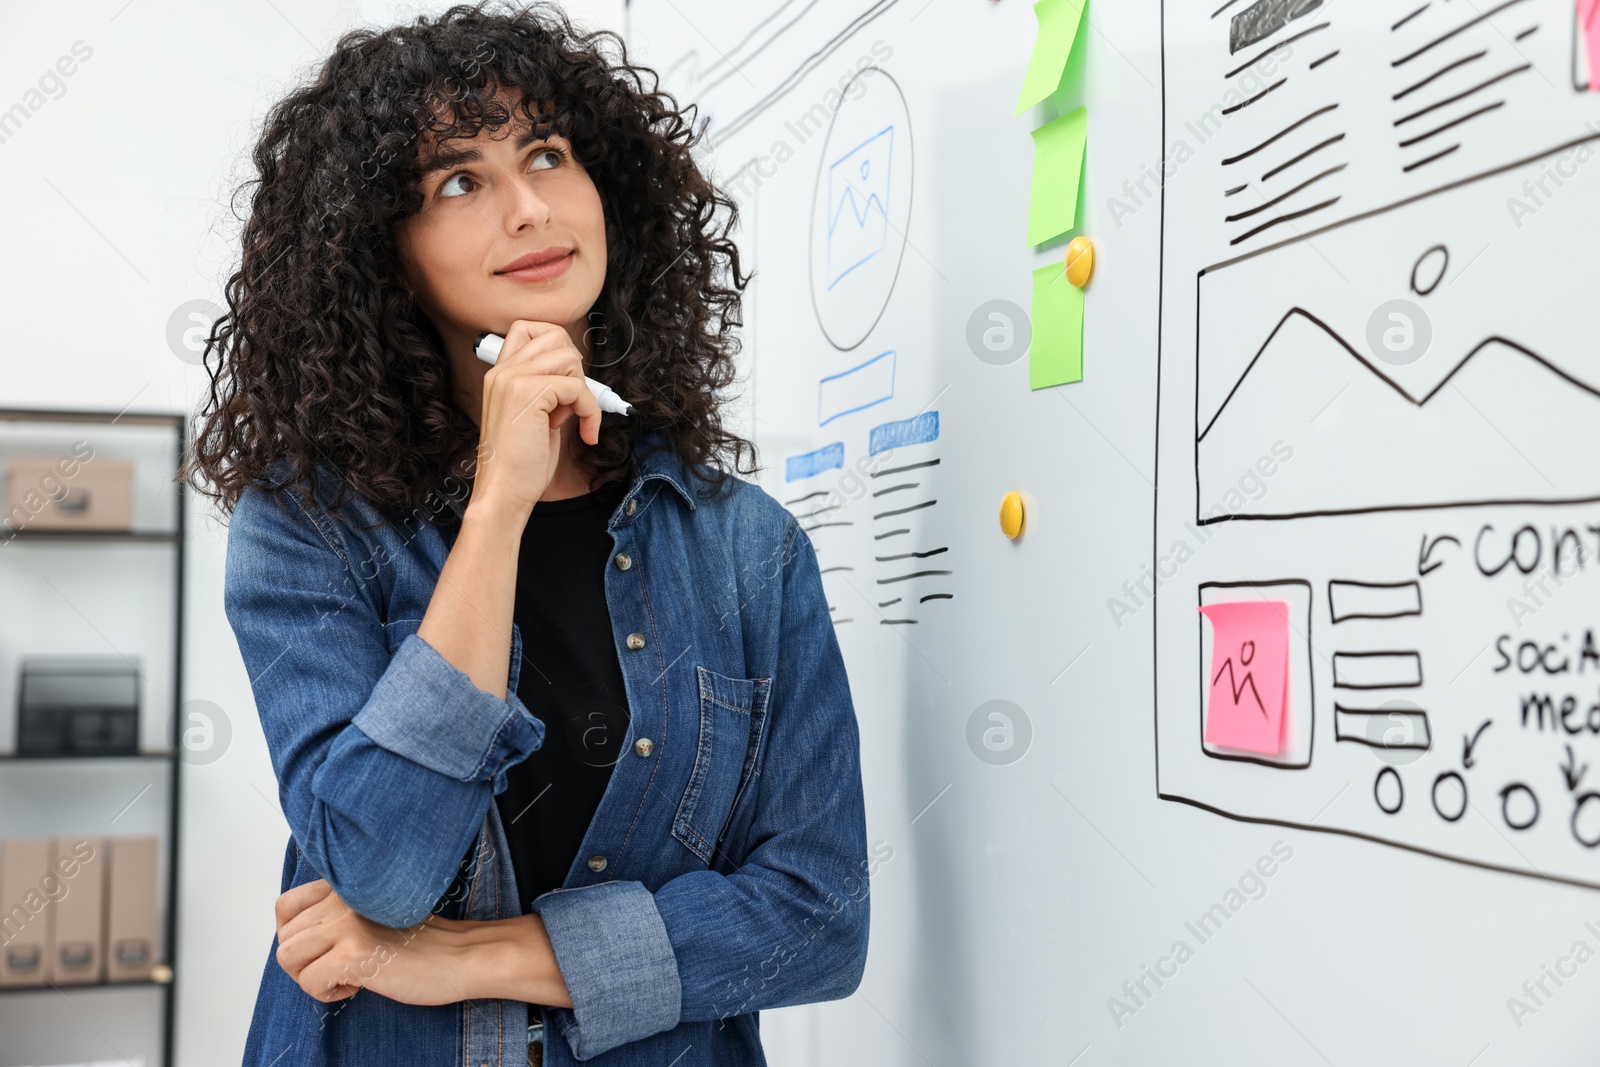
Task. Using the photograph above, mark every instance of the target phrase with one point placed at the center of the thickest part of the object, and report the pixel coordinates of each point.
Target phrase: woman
(559, 719)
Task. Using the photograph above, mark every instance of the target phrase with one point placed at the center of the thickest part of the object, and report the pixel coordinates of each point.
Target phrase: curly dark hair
(323, 355)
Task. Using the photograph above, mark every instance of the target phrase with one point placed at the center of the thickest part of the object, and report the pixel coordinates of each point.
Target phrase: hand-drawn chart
(859, 194)
(1488, 363)
(860, 208)
(815, 132)
(888, 492)
(1379, 408)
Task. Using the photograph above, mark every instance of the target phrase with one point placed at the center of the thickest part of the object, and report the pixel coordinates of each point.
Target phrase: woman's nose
(523, 206)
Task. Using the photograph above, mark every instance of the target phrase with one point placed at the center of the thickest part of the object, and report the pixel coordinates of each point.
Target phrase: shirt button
(597, 864)
(636, 641)
(644, 746)
(632, 504)
(624, 561)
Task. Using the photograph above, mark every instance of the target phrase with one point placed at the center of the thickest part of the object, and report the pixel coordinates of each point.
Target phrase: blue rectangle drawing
(858, 204)
(826, 458)
(918, 430)
(860, 387)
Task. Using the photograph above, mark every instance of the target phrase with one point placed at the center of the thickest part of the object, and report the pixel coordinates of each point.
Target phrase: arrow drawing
(1573, 774)
(1468, 742)
(1423, 566)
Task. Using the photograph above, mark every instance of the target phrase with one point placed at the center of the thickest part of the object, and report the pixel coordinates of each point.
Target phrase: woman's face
(489, 202)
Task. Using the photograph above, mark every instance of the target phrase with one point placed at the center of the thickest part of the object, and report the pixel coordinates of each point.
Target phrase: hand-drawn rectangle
(1387, 728)
(1373, 600)
(1377, 670)
(1299, 718)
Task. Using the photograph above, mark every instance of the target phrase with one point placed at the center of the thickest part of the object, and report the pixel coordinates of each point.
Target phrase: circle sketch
(860, 208)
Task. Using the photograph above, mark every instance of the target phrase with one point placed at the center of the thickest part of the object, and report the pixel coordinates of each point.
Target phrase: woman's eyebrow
(445, 158)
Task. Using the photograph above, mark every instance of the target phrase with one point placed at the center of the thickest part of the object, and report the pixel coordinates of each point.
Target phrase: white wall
(113, 203)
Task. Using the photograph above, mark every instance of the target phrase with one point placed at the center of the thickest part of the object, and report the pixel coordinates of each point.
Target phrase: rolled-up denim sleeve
(426, 709)
(616, 959)
(386, 764)
(789, 925)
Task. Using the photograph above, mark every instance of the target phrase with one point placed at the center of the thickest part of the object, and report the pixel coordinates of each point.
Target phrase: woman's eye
(448, 189)
(444, 186)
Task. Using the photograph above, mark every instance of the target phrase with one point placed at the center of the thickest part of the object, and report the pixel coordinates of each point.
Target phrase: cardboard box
(132, 911)
(77, 937)
(25, 905)
(97, 495)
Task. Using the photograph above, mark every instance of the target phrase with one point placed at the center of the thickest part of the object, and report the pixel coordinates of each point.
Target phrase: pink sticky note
(1589, 30)
(1248, 682)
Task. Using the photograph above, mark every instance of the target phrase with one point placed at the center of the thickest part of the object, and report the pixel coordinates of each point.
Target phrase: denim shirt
(725, 870)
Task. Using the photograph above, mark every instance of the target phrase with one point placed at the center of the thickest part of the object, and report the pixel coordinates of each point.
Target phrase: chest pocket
(733, 715)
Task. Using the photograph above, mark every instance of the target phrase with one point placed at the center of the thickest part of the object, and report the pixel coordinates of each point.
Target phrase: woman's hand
(533, 388)
(331, 952)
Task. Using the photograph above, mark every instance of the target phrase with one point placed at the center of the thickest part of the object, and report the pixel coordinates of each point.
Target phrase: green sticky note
(1055, 352)
(1058, 28)
(1057, 168)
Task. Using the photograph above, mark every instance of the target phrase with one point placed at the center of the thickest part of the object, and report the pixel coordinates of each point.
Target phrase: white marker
(487, 349)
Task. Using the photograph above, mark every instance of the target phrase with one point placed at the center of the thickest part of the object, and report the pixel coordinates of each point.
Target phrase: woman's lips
(543, 272)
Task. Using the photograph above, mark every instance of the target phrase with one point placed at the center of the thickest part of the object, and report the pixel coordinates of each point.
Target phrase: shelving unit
(28, 1014)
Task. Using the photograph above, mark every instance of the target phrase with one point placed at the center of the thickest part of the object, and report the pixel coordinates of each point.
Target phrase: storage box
(84, 705)
(132, 911)
(77, 935)
(96, 495)
(26, 889)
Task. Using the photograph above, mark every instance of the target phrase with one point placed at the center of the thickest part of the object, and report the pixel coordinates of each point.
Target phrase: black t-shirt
(570, 680)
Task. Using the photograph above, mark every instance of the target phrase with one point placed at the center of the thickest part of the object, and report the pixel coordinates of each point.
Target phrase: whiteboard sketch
(817, 140)
(861, 207)
(1379, 405)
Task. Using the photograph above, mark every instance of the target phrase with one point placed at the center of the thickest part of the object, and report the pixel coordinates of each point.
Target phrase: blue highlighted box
(914, 431)
(826, 458)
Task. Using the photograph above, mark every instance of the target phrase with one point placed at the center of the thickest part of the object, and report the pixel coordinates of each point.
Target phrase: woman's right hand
(535, 386)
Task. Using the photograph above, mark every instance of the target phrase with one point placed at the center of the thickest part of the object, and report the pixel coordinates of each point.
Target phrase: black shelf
(99, 536)
(73, 987)
(98, 757)
(103, 418)
(177, 423)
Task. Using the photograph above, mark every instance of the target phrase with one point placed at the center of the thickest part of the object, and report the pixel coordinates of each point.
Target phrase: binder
(131, 911)
(77, 931)
(25, 921)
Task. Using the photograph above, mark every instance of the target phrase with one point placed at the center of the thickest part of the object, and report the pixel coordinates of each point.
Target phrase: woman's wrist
(511, 959)
(496, 513)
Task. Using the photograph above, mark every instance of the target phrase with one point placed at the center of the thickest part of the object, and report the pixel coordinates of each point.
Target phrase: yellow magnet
(1080, 261)
(1011, 515)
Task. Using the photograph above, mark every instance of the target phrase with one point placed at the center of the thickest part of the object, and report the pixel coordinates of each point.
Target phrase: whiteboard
(1339, 356)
